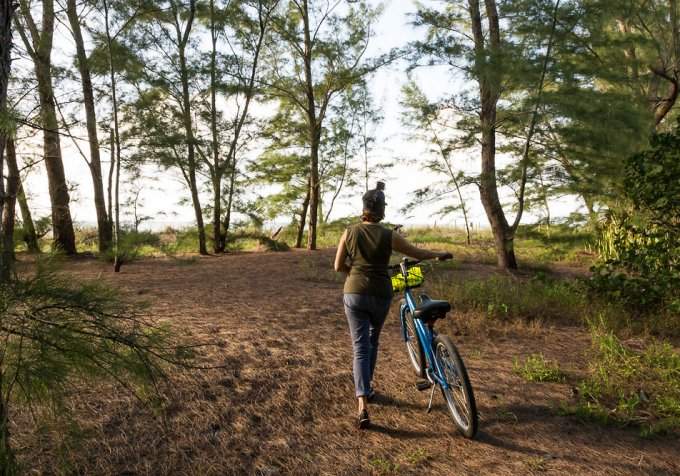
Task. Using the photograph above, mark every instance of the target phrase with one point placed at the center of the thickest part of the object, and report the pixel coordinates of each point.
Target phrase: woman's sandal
(363, 421)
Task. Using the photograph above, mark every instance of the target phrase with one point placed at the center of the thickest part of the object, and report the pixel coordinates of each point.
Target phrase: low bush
(639, 261)
(631, 387)
(133, 245)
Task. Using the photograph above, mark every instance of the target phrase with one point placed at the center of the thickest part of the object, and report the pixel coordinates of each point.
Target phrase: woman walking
(364, 253)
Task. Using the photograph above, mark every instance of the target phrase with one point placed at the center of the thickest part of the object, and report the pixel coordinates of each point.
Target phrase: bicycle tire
(414, 348)
(466, 420)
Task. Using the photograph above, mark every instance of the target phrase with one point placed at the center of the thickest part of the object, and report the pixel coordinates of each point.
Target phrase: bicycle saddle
(431, 309)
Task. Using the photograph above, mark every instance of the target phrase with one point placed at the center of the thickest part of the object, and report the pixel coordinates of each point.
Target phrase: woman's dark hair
(368, 215)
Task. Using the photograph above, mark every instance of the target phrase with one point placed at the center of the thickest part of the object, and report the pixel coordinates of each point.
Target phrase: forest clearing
(280, 404)
(209, 209)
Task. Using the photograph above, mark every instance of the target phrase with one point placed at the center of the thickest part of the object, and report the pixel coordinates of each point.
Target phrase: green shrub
(639, 248)
(134, 244)
(627, 386)
(536, 369)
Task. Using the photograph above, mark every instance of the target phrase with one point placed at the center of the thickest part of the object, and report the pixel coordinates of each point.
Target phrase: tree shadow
(401, 433)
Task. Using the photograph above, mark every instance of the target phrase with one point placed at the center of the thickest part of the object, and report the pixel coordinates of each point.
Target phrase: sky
(163, 194)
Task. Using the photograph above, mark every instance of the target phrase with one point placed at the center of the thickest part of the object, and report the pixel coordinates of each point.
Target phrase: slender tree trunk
(264, 16)
(546, 205)
(218, 246)
(6, 13)
(9, 214)
(489, 88)
(115, 135)
(30, 235)
(112, 168)
(344, 171)
(182, 40)
(3, 199)
(103, 221)
(533, 122)
(229, 206)
(40, 50)
(8, 466)
(62, 224)
(314, 131)
(217, 215)
(590, 206)
(303, 218)
(447, 163)
(7, 460)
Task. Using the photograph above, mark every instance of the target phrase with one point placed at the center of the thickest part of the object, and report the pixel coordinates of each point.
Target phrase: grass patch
(384, 466)
(631, 387)
(536, 368)
(506, 298)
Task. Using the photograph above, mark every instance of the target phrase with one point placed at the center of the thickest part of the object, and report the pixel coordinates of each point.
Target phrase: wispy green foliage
(57, 335)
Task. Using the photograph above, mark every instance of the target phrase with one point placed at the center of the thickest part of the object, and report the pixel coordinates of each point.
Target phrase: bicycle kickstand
(429, 405)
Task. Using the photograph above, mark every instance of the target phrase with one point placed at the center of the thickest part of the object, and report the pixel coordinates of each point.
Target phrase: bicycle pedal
(423, 385)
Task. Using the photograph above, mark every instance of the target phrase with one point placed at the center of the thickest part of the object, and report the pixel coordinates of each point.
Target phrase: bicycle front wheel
(459, 397)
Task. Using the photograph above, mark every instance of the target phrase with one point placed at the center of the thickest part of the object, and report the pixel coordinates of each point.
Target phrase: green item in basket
(415, 278)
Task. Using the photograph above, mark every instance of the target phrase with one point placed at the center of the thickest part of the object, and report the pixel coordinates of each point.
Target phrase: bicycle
(434, 357)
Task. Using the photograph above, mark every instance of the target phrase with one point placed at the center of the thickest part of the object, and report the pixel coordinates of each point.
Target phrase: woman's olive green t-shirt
(369, 247)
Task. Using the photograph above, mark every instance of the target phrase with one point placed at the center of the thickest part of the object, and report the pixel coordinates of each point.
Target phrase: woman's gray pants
(366, 316)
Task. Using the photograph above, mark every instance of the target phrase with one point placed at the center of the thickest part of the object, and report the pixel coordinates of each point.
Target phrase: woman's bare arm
(341, 255)
(400, 245)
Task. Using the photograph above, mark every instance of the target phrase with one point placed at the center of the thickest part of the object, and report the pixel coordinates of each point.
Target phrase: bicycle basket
(415, 279)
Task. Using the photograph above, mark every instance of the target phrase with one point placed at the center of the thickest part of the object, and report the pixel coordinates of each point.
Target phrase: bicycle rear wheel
(413, 346)
(459, 397)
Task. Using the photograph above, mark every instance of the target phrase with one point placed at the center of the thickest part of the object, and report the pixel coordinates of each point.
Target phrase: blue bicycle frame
(426, 335)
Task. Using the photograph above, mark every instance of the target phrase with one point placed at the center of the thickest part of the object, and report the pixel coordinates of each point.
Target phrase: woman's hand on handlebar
(444, 256)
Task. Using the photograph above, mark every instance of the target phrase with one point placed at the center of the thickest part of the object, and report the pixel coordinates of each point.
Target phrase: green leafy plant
(536, 368)
(639, 246)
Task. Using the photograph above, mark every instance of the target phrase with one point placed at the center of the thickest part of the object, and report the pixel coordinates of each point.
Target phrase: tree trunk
(115, 146)
(103, 220)
(489, 89)
(217, 215)
(314, 130)
(182, 40)
(8, 466)
(314, 190)
(8, 216)
(191, 159)
(112, 165)
(7, 461)
(62, 224)
(503, 236)
(30, 235)
(303, 218)
(6, 13)
(218, 243)
(230, 204)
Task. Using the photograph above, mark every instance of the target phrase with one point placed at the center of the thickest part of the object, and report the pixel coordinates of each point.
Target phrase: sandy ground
(283, 403)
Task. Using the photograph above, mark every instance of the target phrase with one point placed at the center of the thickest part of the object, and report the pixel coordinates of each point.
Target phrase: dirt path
(284, 403)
